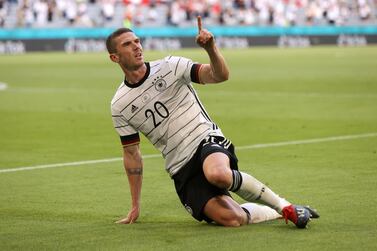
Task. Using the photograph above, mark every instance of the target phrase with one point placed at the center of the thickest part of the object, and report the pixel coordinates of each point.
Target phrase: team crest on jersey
(160, 84)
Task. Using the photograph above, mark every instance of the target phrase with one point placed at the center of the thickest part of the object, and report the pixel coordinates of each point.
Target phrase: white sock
(251, 189)
(260, 213)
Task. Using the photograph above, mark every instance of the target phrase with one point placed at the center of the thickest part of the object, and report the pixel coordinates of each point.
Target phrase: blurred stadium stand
(83, 25)
(182, 13)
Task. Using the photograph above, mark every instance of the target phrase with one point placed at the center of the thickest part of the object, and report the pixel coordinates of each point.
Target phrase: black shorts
(192, 186)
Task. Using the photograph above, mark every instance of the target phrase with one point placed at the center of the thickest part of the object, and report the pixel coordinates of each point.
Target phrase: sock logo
(237, 181)
(261, 192)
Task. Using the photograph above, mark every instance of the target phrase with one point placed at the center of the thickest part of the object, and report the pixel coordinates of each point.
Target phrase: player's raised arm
(199, 23)
(204, 38)
(217, 71)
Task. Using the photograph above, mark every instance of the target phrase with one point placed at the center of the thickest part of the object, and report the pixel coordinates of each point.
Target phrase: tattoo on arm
(134, 171)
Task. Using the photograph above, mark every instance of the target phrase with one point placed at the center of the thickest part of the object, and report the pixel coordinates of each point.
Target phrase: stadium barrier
(14, 41)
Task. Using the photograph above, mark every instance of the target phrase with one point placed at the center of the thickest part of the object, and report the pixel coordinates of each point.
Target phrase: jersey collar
(142, 80)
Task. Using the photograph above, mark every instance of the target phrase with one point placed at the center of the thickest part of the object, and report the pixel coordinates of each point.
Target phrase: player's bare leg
(225, 211)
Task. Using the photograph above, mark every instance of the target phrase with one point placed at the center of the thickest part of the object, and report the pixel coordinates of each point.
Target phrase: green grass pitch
(56, 109)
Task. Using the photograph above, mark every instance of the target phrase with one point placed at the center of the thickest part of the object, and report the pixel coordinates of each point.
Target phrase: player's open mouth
(139, 55)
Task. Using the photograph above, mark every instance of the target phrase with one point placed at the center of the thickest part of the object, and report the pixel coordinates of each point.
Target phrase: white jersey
(166, 109)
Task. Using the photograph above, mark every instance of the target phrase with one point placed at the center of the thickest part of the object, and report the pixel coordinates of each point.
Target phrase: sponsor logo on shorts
(216, 145)
(189, 209)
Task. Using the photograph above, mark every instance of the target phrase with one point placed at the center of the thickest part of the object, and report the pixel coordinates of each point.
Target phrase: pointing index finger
(199, 23)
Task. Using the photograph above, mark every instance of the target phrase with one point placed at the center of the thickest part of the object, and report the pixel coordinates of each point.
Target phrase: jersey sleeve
(185, 68)
(128, 134)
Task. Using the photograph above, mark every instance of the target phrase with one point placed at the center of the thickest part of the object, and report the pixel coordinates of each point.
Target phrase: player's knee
(217, 171)
(233, 219)
(233, 223)
(219, 175)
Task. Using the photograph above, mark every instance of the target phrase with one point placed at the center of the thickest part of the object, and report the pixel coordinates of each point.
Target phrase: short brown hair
(111, 47)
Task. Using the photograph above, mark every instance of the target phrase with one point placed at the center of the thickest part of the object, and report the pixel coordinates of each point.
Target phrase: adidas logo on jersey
(134, 108)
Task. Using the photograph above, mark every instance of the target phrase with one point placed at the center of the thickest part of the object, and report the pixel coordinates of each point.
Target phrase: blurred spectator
(152, 15)
(229, 17)
(291, 12)
(365, 10)
(312, 13)
(83, 19)
(3, 12)
(60, 8)
(127, 21)
(333, 13)
(246, 16)
(108, 9)
(25, 14)
(178, 13)
(50, 10)
(70, 11)
(40, 10)
(344, 12)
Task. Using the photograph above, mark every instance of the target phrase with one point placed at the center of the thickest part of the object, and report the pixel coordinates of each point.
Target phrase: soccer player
(157, 99)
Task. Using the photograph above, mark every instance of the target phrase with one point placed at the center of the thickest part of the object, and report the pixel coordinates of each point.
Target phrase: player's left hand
(131, 217)
(204, 39)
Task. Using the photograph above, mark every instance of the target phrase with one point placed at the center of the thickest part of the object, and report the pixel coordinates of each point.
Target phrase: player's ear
(114, 58)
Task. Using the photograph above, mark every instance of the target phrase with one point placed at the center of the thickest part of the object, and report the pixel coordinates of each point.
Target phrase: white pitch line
(308, 141)
(256, 146)
(3, 86)
(76, 163)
